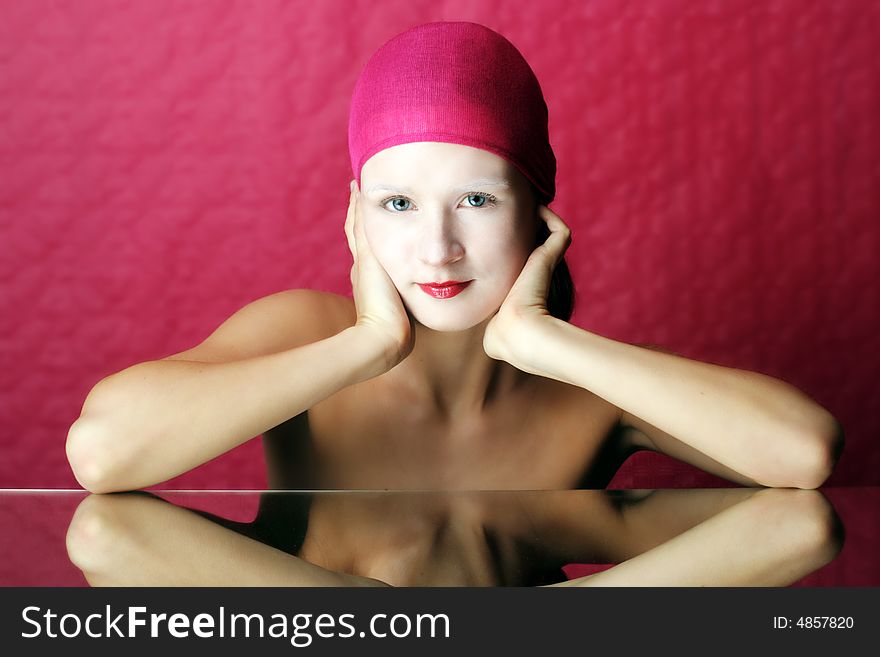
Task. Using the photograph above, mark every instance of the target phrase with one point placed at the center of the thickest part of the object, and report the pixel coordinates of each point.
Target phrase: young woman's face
(436, 212)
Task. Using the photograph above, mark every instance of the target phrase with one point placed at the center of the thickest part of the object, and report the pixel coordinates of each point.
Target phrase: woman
(482, 384)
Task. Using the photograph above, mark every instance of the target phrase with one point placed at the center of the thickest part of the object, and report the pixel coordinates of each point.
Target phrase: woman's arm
(761, 427)
(766, 430)
(270, 361)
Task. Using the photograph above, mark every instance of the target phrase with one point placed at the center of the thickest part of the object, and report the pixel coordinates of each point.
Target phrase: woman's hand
(507, 334)
(380, 309)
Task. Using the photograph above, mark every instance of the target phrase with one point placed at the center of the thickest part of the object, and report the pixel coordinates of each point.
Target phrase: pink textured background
(164, 163)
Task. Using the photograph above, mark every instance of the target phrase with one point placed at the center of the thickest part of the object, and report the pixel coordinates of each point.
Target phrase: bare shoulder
(329, 311)
(273, 323)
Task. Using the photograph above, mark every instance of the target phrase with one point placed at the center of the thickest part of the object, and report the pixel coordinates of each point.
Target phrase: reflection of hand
(506, 336)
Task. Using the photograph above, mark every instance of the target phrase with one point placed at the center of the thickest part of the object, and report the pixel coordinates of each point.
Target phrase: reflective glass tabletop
(665, 537)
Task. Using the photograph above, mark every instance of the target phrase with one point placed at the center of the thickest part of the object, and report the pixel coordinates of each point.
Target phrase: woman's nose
(439, 242)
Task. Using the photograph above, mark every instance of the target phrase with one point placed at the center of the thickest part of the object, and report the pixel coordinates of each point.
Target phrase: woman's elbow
(89, 460)
(826, 453)
(820, 456)
(804, 463)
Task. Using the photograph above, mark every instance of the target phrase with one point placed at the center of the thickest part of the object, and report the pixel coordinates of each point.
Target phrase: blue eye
(397, 199)
(485, 199)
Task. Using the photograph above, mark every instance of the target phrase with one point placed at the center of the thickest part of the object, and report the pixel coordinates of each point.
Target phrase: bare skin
(712, 537)
(447, 416)
(536, 434)
(397, 389)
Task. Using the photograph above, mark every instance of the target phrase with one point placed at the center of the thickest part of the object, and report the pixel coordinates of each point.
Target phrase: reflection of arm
(614, 525)
(774, 538)
(664, 514)
(134, 540)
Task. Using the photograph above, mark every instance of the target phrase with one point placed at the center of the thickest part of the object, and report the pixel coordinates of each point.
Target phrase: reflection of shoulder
(282, 520)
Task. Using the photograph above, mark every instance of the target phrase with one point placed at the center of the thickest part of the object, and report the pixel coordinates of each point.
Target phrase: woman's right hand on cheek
(380, 310)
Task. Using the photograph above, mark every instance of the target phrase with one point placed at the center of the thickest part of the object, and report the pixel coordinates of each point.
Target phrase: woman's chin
(458, 313)
(449, 322)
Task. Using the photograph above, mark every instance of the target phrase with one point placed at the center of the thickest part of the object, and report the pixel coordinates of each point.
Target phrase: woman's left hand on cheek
(526, 304)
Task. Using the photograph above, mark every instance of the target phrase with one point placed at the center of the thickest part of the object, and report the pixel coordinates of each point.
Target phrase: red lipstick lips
(444, 290)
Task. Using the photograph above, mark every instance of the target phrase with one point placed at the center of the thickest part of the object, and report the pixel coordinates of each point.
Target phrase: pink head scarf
(456, 82)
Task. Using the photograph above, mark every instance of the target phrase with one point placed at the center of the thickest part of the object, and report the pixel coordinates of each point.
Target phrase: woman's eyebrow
(464, 188)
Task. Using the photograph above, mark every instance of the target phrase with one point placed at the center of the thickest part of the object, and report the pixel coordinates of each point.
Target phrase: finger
(560, 236)
(535, 276)
(556, 245)
(553, 220)
(358, 226)
(349, 225)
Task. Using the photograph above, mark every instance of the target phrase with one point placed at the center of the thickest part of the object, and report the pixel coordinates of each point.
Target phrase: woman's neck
(451, 373)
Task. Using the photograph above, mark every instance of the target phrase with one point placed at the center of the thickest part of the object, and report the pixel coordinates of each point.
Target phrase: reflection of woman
(478, 384)
(711, 537)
